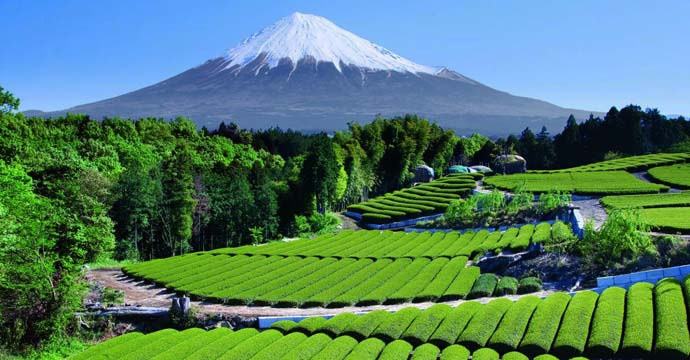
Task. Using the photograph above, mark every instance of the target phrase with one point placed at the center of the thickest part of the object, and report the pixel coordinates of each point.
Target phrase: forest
(76, 190)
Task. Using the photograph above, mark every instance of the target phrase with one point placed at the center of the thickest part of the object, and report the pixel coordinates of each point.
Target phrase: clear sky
(582, 54)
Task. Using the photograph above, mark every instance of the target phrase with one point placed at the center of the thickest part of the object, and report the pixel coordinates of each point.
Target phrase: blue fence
(650, 276)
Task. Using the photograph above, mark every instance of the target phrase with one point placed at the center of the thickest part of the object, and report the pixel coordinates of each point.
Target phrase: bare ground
(592, 210)
(139, 293)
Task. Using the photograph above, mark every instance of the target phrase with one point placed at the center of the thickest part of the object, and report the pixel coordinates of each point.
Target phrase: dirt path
(592, 210)
(348, 222)
(140, 293)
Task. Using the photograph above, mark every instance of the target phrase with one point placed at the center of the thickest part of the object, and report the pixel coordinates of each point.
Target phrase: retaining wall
(650, 276)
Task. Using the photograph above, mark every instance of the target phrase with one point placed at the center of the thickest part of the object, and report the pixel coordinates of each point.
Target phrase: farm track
(139, 293)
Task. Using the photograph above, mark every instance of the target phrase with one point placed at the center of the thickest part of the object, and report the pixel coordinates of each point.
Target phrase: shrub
(284, 326)
(337, 324)
(623, 235)
(485, 354)
(426, 352)
(185, 349)
(553, 200)
(670, 321)
(483, 324)
(638, 331)
(484, 286)
(542, 233)
(607, 323)
(309, 325)
(396, 350)
(253, 345)
(372, 218)
(279, 348)
(462, 284)
(366, 324)
(455, 352)
(368, 349)
(306, 350)
(513, 324)
(545, 357)
(529, 285)
(215, 348)
(425, 324)
(572, 335)
(417, 283)
(393, 327)
(454, 323)
(336, 349)
(443, 279)
(544, 325)
(506, 286)
(514, 355)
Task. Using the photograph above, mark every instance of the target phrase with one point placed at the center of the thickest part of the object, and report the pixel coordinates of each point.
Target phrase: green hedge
(214, 349)
(284, 326)
(542, 233)
(397, 350)
(607, 323)
(393, 327)
(672, 340)
(368, 349)
(337, 324)
(417, 283)
(514, 355)
(190, 346)
(374, 218)
(485, 354)
(436, 288)
(426, 352)
(336, 349)
(250, 347)
(483, 324)
(513, 325)
(309, 325)
(529, 285)
(454, 323)
(363, 326)
(638, 330)
(279, 348)
(421, 329)
(544, 325)
(462, 284)
(455, 352)
(574, 330)
(305, 350)
(506, 286)
(484, 286)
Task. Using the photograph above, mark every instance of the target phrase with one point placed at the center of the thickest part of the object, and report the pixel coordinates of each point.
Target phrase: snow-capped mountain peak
(301, 35)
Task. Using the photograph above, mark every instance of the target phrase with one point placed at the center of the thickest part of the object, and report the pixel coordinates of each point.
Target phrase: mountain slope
(304, 72)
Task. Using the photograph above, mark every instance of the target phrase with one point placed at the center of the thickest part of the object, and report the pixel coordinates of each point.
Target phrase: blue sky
(581, 54)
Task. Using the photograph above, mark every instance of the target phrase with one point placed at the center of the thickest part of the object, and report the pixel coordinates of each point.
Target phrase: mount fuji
(306, 73)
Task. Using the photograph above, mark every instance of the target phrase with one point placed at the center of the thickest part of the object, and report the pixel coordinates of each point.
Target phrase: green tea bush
(529, 285)
(368, 349)
(670, 321)
(572, 335)
(455, 352)
(506, 286)
(513, 325)
(454, 323)
(426, 352)
(396, 350)
(638, 331)
(424, 325)
(607, 323)
(484, 286)
(543, 325)
(483, 324)
(485, 354)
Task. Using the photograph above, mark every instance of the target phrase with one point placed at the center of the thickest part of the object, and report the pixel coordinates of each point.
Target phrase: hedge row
(638, 331)
(544, 324)
(483, 324)
(631, 163)
(574, 330)
(513, 325)
(672, 340)
(607, 323)
(424, 199)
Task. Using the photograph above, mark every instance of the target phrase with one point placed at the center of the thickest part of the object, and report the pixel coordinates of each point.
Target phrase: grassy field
(646, 201)
(646, 321)
(425, 199)
(581, 183)
(631, 163)
(672, 220)
(351, 268)
(677, 176)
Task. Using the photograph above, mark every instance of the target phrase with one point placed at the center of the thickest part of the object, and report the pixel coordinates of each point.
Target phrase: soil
(139, 293)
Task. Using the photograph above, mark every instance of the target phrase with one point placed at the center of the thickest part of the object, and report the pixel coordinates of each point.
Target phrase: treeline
(630, 131)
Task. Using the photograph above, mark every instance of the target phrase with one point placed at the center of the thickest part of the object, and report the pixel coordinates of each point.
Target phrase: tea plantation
(425, 199)
(350, 268)
(677, 176)
(631, 163)
(645, 321)
(580, 183)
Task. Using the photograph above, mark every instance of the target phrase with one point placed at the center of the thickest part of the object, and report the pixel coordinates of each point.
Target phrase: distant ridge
(306, 73)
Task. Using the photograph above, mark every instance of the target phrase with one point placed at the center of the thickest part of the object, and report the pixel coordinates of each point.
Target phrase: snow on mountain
(301, 35)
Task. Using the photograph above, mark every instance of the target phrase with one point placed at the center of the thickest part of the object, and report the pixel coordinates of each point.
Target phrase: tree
(8, 102)
(320, 172)
(567, 144)
(178, 200)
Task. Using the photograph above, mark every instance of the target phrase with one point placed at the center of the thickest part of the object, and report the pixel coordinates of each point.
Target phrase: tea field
(677, 176)
(631, 163)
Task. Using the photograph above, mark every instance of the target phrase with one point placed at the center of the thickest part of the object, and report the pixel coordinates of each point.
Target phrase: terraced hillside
(677, 176)
(662, 212)
(425, 199)
(580, 183)
(631, 163)
(645, 321)
(351, 268)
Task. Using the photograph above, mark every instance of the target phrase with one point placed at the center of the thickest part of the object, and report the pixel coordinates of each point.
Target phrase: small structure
(481, 169)
(510, 164)
(423, 173)
(458, 169)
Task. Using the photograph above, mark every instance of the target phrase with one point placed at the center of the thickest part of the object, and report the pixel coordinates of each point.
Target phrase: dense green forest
(75, 190)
